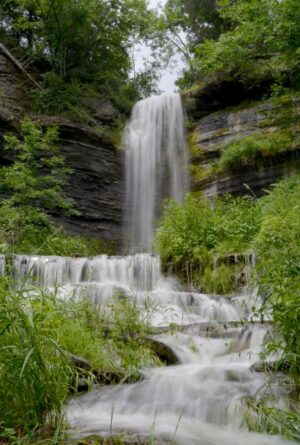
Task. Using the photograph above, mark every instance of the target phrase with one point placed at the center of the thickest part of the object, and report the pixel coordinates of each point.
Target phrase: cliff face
(212, 133)
(96, 184)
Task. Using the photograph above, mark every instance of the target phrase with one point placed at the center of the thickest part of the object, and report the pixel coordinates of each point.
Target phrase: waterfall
(156, 164)
(202, 400)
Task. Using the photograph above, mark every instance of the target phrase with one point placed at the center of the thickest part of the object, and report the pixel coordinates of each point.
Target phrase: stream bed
(202, 399)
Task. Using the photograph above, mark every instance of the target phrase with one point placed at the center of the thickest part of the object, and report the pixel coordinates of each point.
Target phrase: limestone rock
(215, 130)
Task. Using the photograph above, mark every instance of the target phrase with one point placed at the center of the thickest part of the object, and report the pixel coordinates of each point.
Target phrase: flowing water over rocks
(201, 400)
(156, 164)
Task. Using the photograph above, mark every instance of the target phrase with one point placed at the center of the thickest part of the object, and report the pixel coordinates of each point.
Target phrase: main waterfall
(156, 164)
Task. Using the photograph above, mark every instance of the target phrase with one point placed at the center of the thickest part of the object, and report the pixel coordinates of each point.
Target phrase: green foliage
(219, 280)
(252, 149)
(76, 43)
(37, 175)
(185, 229)
(273, 421)
(258, 39)
(238, 222)
(36, 334)
(56, 96)
(278, 272)
(192, 235)
(186, 23)
(31, 186)
(34, 375)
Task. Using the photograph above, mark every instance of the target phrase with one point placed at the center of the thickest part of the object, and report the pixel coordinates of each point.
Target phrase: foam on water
(202, 400)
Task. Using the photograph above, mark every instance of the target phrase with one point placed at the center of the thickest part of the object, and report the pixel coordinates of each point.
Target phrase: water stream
(202, 400)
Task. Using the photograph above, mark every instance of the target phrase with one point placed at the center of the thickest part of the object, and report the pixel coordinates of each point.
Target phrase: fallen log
(19, 66)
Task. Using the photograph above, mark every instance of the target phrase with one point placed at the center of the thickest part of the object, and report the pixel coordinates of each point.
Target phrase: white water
(156, 164)
(201, 400)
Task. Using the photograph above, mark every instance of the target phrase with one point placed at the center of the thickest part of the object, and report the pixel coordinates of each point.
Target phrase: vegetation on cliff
(238, 39)
(78, 50)
(32, 186)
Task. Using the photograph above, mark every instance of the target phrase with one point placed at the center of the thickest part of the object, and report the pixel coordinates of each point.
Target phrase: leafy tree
(86, 40)
(32, 185)
(38, 174)
(253, 40)
(185, 24)
(199, 19)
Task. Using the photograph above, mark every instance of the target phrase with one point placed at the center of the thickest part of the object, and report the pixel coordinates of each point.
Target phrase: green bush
(56, 95)
(37, 176)
(193, 235)
(219, 280)
(278, 270)
(184, 229)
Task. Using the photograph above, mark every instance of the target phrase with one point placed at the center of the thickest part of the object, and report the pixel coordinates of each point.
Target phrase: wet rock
(11, 90)
(213, 329)
(163, 351)
(79, 362)
(101, 109)
(96, 185)
(87, 375)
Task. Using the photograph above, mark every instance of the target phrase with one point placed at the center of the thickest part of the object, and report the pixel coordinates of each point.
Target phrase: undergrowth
(270, 420)
(194, 240)
(38, 331)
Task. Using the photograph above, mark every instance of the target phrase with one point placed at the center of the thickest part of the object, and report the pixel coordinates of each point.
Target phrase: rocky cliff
(96, 184)
(213, 132)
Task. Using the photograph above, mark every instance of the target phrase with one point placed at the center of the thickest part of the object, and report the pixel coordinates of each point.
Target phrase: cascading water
(199, 401)
(156, 164)
(202, 399)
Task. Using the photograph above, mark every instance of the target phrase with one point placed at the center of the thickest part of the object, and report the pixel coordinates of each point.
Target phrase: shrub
(57, 96)
(192, 235)
(278, 269)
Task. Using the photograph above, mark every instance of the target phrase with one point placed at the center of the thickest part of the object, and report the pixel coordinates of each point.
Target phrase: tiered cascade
(202, 399)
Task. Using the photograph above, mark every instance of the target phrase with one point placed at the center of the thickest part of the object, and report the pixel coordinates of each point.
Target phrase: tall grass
(34, 373)
(265, 419)
(38, 331)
